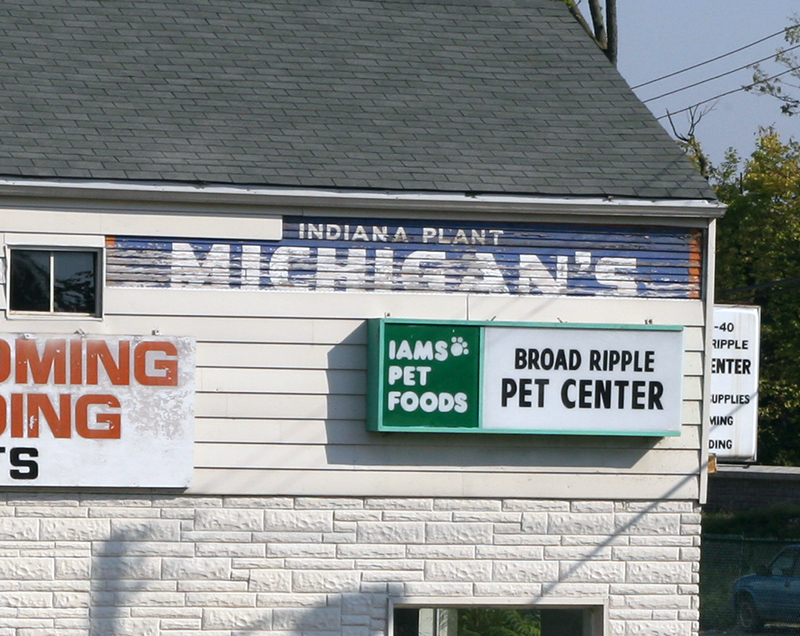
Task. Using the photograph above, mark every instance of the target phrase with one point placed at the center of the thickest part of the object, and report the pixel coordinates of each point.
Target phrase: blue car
(772, 594)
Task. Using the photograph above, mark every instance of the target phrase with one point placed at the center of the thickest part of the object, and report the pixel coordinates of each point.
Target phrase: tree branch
(598, 23)
(688, 141)
(576, 13)
(602, 31)
(612, 40)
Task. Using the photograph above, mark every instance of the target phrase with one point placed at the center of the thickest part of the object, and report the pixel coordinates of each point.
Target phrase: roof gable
(493, 96)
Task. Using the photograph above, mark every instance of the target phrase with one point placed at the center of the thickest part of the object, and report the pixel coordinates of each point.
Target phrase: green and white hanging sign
(472, 377)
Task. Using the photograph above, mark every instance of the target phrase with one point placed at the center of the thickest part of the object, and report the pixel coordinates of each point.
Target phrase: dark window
(784, 563)
(54, 281)
(496, 621)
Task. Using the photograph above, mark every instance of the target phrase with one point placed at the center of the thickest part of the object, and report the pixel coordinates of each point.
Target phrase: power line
(731, 92)
(768, 287)
(710, 79)
(713, 59)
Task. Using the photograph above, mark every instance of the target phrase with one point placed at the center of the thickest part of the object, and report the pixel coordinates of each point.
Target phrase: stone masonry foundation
(154, 565)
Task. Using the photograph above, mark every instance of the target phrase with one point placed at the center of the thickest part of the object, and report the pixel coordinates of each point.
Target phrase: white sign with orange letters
(96, 411)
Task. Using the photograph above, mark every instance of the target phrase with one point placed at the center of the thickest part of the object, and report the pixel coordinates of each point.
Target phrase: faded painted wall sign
(424, 256)
(87, 411)
(519, 378)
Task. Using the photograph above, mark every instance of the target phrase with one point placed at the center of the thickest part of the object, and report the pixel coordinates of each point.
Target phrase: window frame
(793, 554)
(50, 244)
(596, 608)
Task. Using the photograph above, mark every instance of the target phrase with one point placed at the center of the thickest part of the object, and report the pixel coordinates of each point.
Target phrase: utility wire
(710, 79)
(731, 92)
(768, 287)
(713, 59)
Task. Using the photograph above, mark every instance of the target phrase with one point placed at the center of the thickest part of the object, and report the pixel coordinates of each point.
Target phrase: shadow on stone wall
(134, 593)
(231, 571)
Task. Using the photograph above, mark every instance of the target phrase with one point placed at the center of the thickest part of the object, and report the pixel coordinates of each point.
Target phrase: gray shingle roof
(500, 96)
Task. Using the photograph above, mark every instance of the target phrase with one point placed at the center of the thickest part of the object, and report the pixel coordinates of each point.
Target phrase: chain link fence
(723, 559)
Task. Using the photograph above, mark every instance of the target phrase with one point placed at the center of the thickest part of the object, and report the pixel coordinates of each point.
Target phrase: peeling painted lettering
(416, 256)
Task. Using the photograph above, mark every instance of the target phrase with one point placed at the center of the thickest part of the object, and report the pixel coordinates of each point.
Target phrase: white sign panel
(96, 411)
(583, 380)
(734, 382)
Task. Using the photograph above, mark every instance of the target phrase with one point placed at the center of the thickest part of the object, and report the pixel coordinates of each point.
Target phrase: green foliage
(758, 254)
(691, 147)
(775, 522)
(496, 621)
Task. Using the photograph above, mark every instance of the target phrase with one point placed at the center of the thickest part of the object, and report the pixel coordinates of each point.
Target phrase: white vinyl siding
(281, 397)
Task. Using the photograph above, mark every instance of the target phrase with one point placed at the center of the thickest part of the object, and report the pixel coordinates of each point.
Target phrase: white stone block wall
(151, 565)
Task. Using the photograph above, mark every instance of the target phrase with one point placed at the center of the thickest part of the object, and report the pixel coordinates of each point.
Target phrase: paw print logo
(458, 346)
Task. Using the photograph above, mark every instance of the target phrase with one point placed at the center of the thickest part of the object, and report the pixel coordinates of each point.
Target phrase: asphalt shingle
(500, 96)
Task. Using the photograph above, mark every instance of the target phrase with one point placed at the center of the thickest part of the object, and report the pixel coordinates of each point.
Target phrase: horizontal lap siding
(282, 395)
(348, 432)
(418, 455)
(281, 384)
(427, 483)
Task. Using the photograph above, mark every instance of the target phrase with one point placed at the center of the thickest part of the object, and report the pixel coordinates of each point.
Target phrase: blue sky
(661, 36)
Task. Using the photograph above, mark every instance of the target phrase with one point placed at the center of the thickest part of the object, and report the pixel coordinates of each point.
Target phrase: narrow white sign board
(96, 411)
(734, 383)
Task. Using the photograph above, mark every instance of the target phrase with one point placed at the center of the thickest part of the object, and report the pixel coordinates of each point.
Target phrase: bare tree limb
(612, 39)
(576, 13)
(777, 85)
(602, 30)
(598, 23)
(688, 141)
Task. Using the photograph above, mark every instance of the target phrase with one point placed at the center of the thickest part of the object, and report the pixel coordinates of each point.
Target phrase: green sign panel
(429, 375)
